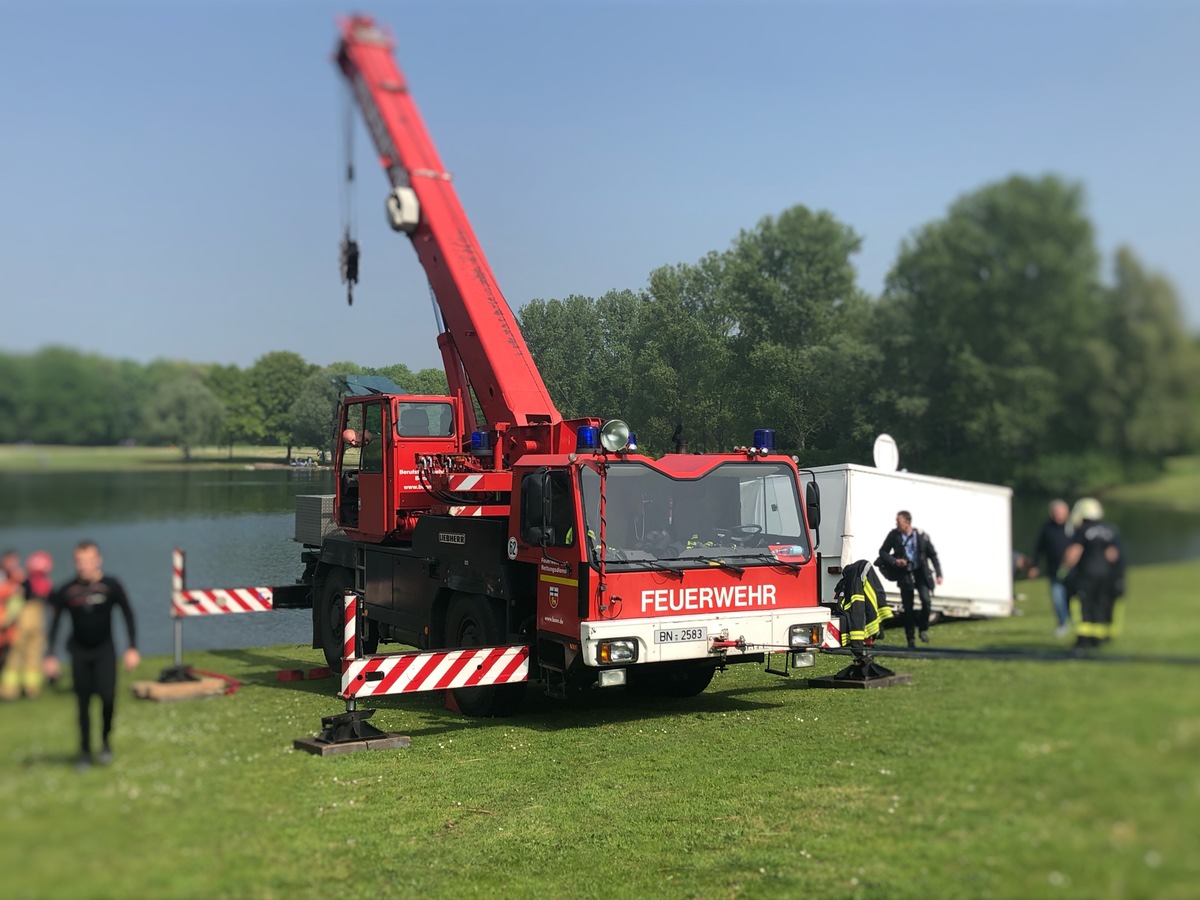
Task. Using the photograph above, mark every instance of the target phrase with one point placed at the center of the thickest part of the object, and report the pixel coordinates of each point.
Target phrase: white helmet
(1086, 509)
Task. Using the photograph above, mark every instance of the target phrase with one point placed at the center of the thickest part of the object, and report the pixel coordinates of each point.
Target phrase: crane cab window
(353, 437)
(372, 449)
(425, 420)
(362, 449)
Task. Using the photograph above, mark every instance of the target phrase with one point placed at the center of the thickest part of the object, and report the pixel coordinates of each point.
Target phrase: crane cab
(380, 438)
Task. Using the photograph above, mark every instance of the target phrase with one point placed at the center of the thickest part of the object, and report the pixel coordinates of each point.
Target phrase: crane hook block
(349, 263)
(403, 210)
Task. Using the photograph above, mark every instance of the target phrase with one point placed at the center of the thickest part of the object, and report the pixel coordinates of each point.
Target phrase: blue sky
(171, 171)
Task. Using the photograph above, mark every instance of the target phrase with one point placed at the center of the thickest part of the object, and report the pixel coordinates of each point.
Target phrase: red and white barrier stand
(410, 673)
(389, 674)
(186, 603)
(350, 731)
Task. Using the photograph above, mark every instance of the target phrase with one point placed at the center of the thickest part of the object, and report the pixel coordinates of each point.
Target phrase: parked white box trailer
(970, 525)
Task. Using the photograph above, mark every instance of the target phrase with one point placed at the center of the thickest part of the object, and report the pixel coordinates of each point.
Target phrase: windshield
(748, 511)
(424, 420)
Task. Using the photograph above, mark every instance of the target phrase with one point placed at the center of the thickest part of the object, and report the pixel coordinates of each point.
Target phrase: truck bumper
(678, 639)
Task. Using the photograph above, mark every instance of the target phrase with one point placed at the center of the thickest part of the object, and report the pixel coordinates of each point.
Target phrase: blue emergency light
(764, 439)
(587, 439)
(481, 443)
(632, 445)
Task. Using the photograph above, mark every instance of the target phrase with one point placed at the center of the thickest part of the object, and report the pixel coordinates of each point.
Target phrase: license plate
(679, 635)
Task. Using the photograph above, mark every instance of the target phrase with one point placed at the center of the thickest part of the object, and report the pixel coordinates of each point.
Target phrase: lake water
(236, 527)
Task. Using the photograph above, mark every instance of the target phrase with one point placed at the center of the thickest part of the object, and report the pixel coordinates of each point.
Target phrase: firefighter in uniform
(22, 672)
(1095, 560)
(861, 598)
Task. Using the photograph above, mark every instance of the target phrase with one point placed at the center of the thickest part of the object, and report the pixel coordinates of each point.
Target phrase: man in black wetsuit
(89, 600)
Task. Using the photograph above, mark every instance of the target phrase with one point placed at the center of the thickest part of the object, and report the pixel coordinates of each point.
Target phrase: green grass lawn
(978, 779)
(1178, 488)
(44, 458)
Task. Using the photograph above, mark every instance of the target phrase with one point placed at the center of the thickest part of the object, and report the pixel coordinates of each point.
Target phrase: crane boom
(481, 339)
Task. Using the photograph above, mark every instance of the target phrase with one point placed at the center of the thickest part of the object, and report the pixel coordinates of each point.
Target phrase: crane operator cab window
(362, 452)
(425, 420)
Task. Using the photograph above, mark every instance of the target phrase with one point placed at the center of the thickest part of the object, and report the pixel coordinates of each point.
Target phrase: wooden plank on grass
(178, 690)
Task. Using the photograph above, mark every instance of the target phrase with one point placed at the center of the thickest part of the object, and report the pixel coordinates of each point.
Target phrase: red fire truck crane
(521, 530)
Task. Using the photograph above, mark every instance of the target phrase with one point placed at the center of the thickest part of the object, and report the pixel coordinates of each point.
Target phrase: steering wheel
(735, 534)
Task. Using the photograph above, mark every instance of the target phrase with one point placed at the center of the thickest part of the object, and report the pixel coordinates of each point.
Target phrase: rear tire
(473, 620)
(331, 613)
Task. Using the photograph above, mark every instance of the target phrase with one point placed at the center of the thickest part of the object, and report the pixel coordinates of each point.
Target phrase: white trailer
(969, 523)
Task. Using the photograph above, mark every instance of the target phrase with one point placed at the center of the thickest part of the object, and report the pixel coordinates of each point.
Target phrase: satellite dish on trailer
(887, 454)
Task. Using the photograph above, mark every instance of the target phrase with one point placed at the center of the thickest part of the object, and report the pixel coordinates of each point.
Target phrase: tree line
(997, 351)
(62, 396)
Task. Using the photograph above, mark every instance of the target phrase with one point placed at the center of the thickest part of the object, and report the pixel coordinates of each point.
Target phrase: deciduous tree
(184, 412)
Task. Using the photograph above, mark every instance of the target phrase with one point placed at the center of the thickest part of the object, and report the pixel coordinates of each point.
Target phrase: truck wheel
(674, 682)
(331, 610)
(475, 621)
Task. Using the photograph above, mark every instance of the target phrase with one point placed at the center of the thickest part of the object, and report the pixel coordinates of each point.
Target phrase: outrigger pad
(348, 732)
(864, 672)
(176, 674)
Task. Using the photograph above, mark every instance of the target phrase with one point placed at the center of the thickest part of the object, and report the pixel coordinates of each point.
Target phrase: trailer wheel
(674, 682)
(330, 591)
(475, 621)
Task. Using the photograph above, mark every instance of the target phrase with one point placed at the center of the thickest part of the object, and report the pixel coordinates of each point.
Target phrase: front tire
(331, 613)
(476, 621)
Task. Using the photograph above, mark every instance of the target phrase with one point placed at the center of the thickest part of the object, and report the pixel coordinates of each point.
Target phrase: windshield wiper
(654, 564)
(712, 561)
(775, 559)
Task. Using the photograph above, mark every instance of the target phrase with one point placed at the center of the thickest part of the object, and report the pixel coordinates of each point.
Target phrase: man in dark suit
(915, 556)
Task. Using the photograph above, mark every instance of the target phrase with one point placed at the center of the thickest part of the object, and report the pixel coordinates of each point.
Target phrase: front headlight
(617, 650)
(800, 636)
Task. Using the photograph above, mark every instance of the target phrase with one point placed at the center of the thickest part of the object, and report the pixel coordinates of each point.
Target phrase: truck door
(372, 482)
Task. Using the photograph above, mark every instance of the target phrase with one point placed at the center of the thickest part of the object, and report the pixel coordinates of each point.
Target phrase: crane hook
(349, 264)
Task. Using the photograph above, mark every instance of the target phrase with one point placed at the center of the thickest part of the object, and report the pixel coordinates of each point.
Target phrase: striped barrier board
(214, 601)
(219, 601)
(410, 673)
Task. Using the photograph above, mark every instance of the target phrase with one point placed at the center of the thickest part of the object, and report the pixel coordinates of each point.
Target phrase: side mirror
(812, 502)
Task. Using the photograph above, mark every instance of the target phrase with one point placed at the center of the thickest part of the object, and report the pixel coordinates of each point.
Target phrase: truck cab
(686, 563)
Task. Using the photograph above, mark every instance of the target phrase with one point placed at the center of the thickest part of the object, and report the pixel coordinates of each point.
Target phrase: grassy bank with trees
(45, 458)
(1178, 488)
(1002, 779)
(1003, 348)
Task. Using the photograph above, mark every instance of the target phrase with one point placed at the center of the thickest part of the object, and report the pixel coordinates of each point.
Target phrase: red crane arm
(479, 325)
